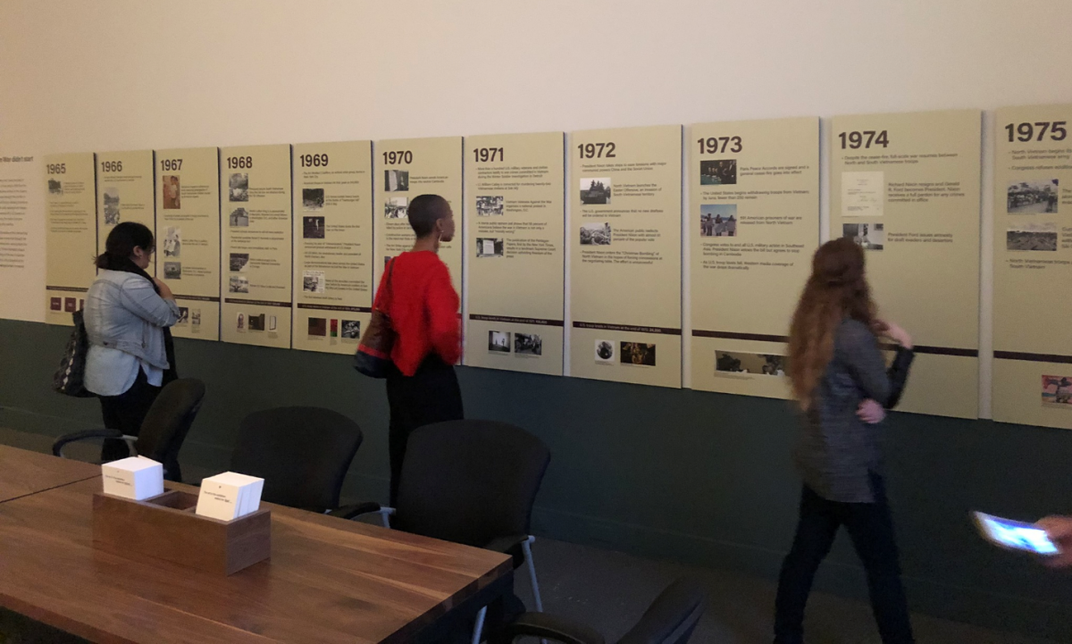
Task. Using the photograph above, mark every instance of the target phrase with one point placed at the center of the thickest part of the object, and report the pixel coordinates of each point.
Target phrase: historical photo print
(312, 198)
(351, 329)
(605, 351)
(111, 206)
(499, 341)
(718, 172)
(1031, 236)
(256, 322)
(195, 317)
(173, 242)
(396, 180)
(240, 323)
(169, 188)
(395, 207)
(718, 220)
(318, 327)
(1032, 197)
(489, 247)
(1057, 390)
(595, 192)
(238, 187)
(313, 227)
(528, 344)
(313, 281)
(239, 218)
(184, 315)
(638, 353)
(238, 261)
(595, 235)
(172, 270)
(238, 284)
(489, 206)
(870, 236)
(757, 363)
(55, 187)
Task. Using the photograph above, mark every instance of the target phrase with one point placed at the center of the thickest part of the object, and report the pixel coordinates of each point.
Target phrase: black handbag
(69, 378)
(373, 356)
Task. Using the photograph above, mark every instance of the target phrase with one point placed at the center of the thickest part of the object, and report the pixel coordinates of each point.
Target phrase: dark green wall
(697, 477)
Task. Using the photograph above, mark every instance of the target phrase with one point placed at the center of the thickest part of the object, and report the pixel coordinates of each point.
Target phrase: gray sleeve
(857, 348)
(139, 297)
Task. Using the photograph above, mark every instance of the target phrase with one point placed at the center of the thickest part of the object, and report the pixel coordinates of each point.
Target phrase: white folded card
(229, 496)
(136, 477)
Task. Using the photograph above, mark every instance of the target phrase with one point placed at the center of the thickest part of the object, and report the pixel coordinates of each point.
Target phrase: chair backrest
(671, 618)
(169, 419)
(302, 453)
(470, 481)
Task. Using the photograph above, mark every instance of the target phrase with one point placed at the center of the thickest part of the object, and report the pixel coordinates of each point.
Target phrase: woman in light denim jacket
(127, 318)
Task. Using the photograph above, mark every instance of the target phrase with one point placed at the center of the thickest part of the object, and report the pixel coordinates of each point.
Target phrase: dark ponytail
(122, 241)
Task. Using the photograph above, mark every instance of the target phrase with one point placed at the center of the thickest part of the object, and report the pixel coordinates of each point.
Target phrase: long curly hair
(836, 289)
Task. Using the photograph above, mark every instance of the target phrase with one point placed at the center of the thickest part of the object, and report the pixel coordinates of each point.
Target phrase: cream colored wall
(133, 74)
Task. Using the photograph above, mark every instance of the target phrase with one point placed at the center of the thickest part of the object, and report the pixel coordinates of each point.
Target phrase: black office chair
(471, 482)
(163, 430)
(302, 453)
(671, 619)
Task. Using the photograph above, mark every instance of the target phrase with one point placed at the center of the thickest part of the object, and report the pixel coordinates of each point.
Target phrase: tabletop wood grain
(328, 580)
(23, 472)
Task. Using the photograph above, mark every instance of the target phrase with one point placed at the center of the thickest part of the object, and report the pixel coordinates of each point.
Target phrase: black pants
(871, 529)
(431, 395)
(126, 412)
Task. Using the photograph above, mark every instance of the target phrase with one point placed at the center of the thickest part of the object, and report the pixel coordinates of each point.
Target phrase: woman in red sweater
(417, 294)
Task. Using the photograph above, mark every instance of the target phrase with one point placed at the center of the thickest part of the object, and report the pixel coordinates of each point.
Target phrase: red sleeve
(378, 301)
(443, 315)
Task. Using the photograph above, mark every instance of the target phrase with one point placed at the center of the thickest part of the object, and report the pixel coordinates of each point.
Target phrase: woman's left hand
(870, 412)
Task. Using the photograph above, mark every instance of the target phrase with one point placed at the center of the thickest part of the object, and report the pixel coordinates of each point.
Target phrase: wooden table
(23, 472)
(328, 580)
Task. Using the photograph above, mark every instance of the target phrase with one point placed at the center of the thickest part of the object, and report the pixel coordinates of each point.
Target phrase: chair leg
(526, 547)
(478, 627)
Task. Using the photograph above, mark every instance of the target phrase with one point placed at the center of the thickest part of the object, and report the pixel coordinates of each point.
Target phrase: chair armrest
(509, 545)
(546, 626)
(73, 437)
(354, 510)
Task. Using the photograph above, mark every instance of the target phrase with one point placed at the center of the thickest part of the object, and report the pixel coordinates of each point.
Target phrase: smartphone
(1016, 535)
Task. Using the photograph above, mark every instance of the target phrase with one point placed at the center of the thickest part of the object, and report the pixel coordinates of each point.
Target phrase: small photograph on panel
(111, 206)
(239, 218)
(351, 329)
(318, 327)
(173, 242)
(70, 304)
(395, 207)
(1057, 390)
(396, 180)
(184, 315)
(528, 344)
(718, 172)
(55, 304)
(605, 351)
(718, 220)
(1032, 197)
(757, 363)
(870, 236)
(313, 227)
(313, 281)
(256, 322)
(638, 353)
(595, 192)
(334, 328)
(272, 322)
(170, 189)
(238, 187)
(238, 284)
(489, 247)
(499, 341)
(595, 235)
(195, 317)
(55, 187)
(238, 261)
(241, 323)
(312, 198)
(1031, 236)
(172, 270)
(487, 206)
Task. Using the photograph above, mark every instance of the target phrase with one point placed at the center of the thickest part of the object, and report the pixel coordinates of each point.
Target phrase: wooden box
(166, 527)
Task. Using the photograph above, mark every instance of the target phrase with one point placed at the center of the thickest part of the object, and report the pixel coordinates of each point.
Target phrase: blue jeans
(871, 529)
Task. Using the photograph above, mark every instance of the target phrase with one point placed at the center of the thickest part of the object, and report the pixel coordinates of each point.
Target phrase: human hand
(165, 290)
(1059, 530)
(894, 332)
(870, 412)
